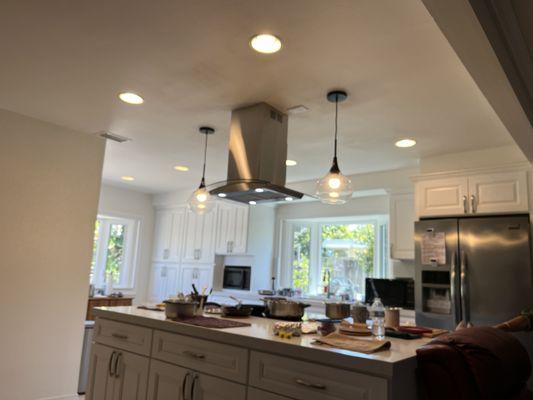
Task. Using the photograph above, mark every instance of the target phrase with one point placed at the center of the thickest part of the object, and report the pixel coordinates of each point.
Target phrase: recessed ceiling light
(289, 199)
(127, 178)
(259, 190)
(253, 203)
(405, 143)
(290, 163)
(265, 43)
(181, 168)
(131, 98)
(222, 195)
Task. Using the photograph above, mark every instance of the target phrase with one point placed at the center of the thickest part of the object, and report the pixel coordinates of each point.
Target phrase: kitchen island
(141, 355)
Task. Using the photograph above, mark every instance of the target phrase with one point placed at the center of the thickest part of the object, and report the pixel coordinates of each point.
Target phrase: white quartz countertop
(259, 336)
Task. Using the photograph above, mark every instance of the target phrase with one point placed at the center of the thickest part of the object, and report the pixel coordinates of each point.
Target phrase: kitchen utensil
(236, 311)
(195, 291)
(282, 308)
(239, 302)
(355, 329)
(392, 317)
(176, 309)
(337, 310)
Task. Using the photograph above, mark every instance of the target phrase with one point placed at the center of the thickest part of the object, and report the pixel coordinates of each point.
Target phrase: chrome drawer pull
(192, 354)
(309, 384)
(119, 336)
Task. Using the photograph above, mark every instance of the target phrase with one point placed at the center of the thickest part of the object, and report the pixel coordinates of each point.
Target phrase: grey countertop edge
(337, 358)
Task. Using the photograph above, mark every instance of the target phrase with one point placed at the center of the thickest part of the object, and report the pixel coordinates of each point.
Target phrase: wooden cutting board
(353, 344)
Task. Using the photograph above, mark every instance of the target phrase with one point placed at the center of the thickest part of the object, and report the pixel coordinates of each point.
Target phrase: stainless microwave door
(496, 268)
(423, 285)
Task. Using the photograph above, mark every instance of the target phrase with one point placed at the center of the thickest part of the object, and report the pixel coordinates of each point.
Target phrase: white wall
(50, 177)
(122, 202)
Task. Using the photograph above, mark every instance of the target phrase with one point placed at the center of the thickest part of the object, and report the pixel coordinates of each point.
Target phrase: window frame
(284, 269)
(131, 245)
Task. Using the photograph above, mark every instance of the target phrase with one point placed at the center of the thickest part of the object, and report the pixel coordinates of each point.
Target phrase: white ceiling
(65, 62)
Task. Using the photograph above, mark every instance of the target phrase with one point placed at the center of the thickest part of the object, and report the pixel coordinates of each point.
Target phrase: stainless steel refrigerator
(475, 269)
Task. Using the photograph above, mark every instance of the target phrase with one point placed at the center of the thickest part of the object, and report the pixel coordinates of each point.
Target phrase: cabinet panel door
(178, 233)
(442, 197)
(402, 226)
(199, 238)
(100, 384)
(199, 275)
(207, 387)
(225, 229)
(162, 234)
(499, 192)
(166, 382)
(163, 282)
(131, 378)
(241, 230)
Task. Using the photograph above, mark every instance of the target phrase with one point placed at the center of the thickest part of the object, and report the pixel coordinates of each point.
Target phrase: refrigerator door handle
(453, 290)
(464, 290)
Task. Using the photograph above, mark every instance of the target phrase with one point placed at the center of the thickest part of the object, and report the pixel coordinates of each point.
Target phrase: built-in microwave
(236, 277)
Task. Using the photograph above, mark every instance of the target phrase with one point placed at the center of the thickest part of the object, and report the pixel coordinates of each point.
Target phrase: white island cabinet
(141, 355)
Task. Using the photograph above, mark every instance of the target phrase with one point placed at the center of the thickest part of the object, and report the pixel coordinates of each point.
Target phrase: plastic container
(377, 314)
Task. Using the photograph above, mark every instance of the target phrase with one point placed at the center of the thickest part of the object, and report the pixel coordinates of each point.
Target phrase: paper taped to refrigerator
(433, 248)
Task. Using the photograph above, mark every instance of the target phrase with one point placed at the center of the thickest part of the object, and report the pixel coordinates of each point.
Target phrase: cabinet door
(241, 230)
(100, 385)
(166, 382)
(199, 235)
(440, 197)
(402, 226)
(498, 193)
(177, 234)
(131, 378)
(205, 387)
(225, 229)
(199, 275)
(163, 282)
(162, 235)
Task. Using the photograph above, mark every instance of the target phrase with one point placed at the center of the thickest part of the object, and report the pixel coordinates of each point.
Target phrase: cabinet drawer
(123, 336)
(256, 394)
(308, 381)
(221, 360)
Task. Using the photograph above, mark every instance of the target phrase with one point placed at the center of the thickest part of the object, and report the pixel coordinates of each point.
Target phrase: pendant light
(201, 202)
(334, 187)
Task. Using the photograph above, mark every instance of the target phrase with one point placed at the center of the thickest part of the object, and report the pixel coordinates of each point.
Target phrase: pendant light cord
(202, 184)
(336, 115)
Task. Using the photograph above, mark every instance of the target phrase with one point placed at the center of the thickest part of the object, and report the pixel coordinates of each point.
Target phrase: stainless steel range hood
(257, 155)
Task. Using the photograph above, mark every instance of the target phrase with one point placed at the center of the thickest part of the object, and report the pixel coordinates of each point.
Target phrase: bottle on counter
(377, 314)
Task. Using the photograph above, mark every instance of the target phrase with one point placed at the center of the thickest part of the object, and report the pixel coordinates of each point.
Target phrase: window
(114, 251)
(344, 252)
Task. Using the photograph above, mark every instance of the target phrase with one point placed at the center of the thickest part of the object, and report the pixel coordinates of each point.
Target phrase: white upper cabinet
(232, 228)
(498, 192)
(168, 234)
(199, 238)
(402, 226)
(448, 196)
(481, 193)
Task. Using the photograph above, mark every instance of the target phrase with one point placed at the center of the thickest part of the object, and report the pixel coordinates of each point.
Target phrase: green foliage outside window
(115, 250)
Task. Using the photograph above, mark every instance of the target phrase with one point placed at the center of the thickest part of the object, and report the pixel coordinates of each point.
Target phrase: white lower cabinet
(163, 282)
(117, 375)
(199, 275)
(171, 382)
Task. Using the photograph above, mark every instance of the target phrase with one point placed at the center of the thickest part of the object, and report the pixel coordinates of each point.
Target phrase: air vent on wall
(114, 137)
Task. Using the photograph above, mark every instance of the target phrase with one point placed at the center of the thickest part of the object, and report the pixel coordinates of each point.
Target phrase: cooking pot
(337, 310)
(283, 308)
(176, 309)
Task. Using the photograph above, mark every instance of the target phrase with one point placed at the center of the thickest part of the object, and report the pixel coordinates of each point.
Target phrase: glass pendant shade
(201, 202)
(334, 187)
